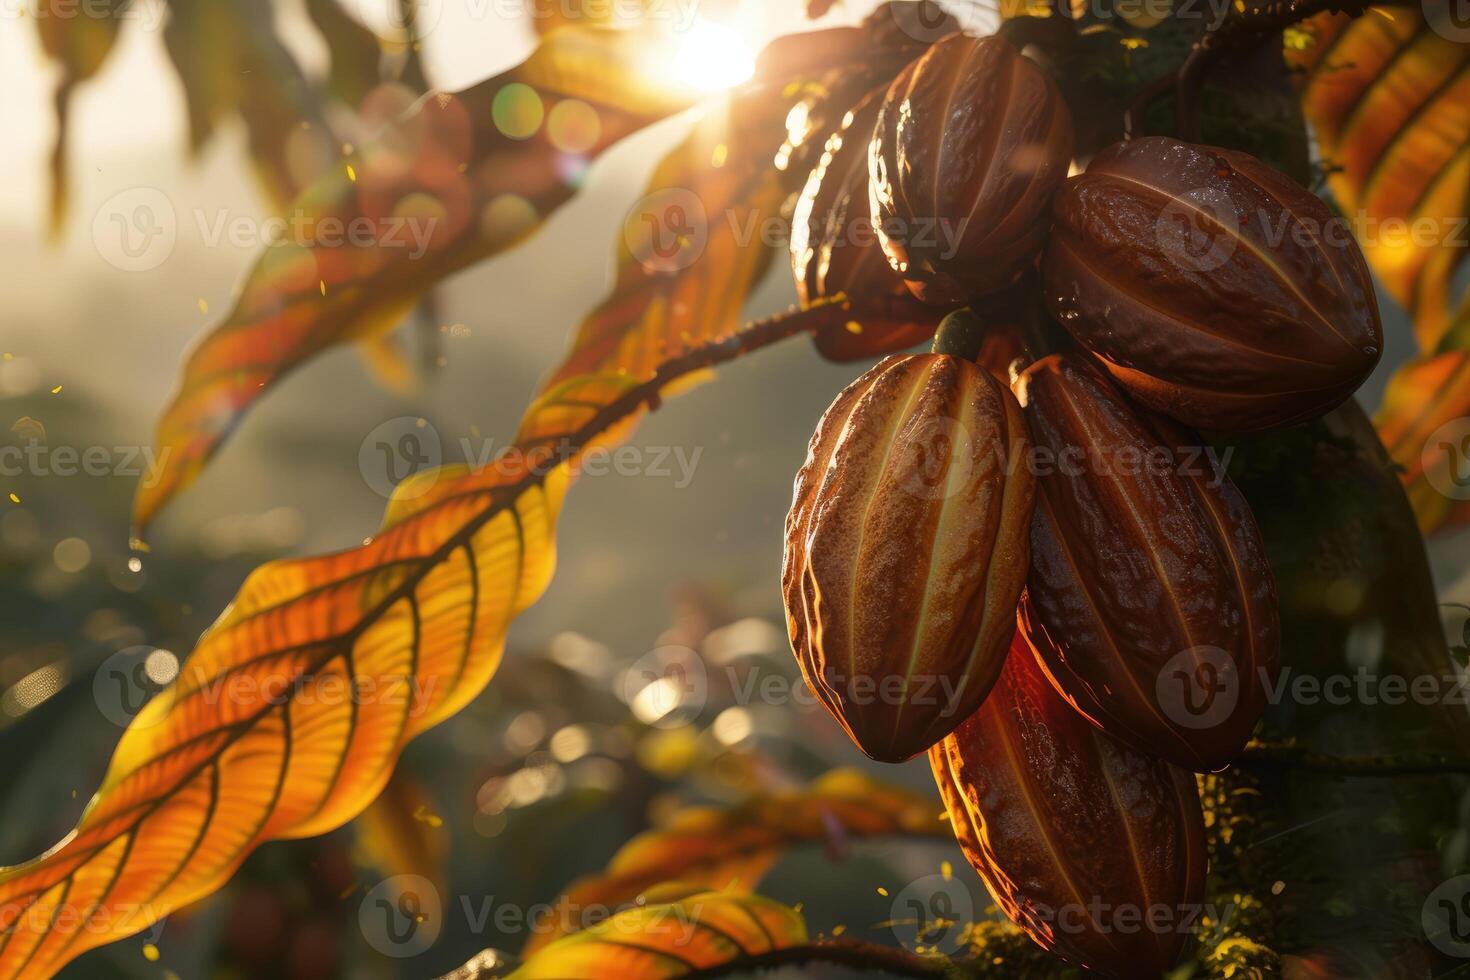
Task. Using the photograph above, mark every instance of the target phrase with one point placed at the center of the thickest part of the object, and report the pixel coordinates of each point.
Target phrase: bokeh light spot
(506, 218)
(573, 126)
(517, 111)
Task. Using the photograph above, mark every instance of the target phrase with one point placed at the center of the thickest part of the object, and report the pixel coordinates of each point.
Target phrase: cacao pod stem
(960, 334)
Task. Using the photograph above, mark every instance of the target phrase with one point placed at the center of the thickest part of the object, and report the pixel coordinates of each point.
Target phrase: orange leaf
(291, 712)
(1386, 94)
(734, 847)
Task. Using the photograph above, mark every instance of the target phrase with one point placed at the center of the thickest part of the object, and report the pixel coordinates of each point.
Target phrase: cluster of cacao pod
(1033, 568)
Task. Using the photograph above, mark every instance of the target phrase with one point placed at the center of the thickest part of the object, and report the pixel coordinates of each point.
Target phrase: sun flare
(711, 57)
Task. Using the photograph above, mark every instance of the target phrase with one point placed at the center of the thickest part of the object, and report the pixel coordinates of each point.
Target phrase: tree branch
(760, 333)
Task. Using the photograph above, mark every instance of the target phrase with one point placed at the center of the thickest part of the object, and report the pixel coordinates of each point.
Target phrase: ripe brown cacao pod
(1150, 602)
(1096, 850)
(834, 249)
(1214, 288)
(971, 143)
(906, 549)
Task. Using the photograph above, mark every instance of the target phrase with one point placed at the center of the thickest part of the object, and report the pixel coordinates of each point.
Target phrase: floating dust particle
(882, 891)
(203, 305)
(324, 286)
(150, 953)
(947, 870)
(351, 173)
(426, 816)
(14, 498)
(854, 327)
(56, 390)
(1278, 888)
(838, 930)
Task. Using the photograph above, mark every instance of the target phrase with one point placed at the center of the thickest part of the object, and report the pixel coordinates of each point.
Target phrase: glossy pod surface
(834, 248)
(1216, 290)
(970, 146)
(906, 550)
(1095, 850)
(1150, 602)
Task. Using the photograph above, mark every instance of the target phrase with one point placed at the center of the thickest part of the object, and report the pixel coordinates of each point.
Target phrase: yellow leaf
(704, 930)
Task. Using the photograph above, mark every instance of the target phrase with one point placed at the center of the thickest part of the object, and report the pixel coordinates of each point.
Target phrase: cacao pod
(1150, 602)
(971, 143)
(1096, 850)
(834, 249)
(1214, 288)
(906, 549)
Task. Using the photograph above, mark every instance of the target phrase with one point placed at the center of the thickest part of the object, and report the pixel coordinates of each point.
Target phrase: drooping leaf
(80, 46)
(231, 63)
(703, 930)
(1423, 424)
(357, 53)
(441, 189)
(1387, 96)
(734, 847)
